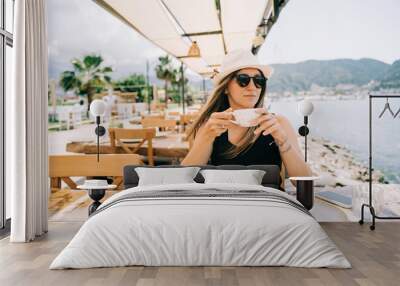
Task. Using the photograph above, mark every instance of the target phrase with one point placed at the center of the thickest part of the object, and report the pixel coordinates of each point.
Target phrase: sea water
(345, 122)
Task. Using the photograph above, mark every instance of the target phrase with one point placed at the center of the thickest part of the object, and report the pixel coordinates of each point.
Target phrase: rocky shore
(335, 165)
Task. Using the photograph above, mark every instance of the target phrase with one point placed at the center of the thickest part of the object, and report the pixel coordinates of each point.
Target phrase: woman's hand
(217, 124)
(269, 124)
(202, 147)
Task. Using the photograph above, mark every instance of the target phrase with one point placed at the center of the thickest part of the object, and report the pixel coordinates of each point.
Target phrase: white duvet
(200, 231)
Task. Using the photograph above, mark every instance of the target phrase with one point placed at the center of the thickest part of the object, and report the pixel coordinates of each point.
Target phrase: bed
(201, 224)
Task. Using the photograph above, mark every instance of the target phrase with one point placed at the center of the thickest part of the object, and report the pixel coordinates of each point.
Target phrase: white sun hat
(237, 60)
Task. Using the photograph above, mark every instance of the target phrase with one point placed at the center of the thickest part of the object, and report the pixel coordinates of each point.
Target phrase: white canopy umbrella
(217, 26)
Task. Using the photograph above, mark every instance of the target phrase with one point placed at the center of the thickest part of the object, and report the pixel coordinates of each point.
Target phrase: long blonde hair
(217, 102)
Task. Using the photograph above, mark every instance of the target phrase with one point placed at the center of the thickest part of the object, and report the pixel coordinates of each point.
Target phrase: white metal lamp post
(305, 108)
(98, 108)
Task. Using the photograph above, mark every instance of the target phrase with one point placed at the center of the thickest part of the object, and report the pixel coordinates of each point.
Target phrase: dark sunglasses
(243, 80)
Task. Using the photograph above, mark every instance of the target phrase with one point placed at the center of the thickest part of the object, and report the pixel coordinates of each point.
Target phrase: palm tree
(87, 77)
(133, 83)
(176, 85)
(166, 72)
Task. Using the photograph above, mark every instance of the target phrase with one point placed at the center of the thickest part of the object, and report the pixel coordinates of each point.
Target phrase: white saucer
(84, 187)
(303, 178)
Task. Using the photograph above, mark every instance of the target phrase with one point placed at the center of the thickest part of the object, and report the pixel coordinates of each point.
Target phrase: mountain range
(329, 73)
(301, 76)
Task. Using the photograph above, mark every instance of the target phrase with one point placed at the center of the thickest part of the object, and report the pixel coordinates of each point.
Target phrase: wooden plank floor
(375, 257)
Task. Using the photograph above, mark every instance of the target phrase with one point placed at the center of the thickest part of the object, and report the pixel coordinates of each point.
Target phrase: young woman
(241, 84)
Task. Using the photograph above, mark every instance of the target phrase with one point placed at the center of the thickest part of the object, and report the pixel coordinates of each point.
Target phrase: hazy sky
(329, 29)
(306, 29)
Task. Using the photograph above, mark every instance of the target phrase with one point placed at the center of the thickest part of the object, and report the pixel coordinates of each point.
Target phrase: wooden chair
(157, 106)
(174, 113)
(186, 119)
(162, 124)
(63, 167)
(146, 134)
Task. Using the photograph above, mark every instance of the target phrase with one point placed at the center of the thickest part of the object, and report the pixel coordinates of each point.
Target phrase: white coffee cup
(245, 117)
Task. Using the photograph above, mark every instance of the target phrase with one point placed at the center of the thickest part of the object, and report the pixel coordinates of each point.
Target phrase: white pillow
(166, 176)
(249, 177)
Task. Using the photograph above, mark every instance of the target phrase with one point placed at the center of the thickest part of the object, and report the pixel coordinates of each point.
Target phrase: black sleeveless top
(264, 151)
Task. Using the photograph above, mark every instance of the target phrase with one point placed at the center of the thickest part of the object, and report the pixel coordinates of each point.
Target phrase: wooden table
(138, 120)
(171, 145)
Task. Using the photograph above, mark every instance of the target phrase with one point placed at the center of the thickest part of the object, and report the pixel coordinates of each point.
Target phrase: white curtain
(27, 121)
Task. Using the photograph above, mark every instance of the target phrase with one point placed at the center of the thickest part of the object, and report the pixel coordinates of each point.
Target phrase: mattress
(201, 225)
